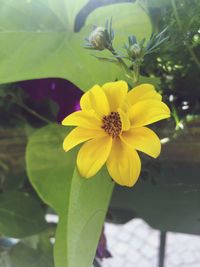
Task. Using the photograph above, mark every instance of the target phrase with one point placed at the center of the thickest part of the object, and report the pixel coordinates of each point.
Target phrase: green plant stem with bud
(134, 73)
(101, 38)
(121, 61)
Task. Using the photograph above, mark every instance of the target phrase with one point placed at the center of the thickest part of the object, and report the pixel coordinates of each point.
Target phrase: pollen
(112, 124)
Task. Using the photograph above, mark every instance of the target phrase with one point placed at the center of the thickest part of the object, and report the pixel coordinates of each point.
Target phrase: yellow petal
(143, 92)
(95, 99)
(148, 111)
(123, 164)
(93, 155)
(85, 102)
(143, 139)
(99, 101)
(124, 119)
(116, 93)
(85, 119)
(79, 135)
(139, 93)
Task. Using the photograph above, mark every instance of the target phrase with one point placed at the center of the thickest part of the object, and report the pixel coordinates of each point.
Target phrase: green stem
(133, 75)
(193, 55)
(189, 48)
(136, 73)
(176, 117)
(121, 61)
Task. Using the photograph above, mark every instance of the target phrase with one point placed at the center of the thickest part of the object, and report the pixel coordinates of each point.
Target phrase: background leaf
(20, 214)
(81, 204)
(38, 40)
(23, 256)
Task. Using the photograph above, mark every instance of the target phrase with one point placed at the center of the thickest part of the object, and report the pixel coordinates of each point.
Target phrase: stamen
(112, 124)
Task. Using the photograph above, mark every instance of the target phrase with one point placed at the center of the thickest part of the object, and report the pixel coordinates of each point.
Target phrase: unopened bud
(134, 50)
(99, 38)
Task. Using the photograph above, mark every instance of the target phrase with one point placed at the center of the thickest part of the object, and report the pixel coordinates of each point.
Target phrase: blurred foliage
(177, 62)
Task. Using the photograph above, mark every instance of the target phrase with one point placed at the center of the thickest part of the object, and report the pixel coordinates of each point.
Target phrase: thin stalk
(176, 117)
(31, 111)
(121, 61)
(189, 48)
(136, 73)
(133, 75)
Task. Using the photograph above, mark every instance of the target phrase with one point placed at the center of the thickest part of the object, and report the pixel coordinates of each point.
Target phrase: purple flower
(102, 251)
(61, 91)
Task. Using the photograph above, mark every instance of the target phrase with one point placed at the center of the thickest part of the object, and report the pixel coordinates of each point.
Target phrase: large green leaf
(38, 40)
(81, 204)
(20, 215)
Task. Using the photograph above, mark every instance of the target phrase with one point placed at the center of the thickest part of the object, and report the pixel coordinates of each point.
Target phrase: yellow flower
(112, 122)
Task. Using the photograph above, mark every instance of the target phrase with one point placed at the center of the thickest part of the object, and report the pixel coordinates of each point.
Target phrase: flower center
(112, 124)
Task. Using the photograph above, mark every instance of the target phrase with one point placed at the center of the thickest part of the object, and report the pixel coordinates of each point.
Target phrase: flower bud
(134, 50)
(99, 38)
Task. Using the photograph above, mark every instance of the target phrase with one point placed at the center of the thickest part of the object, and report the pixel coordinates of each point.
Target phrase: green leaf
(38, 39)
(80, 203)
(20, 215)
(23, 256)
(49, 168)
